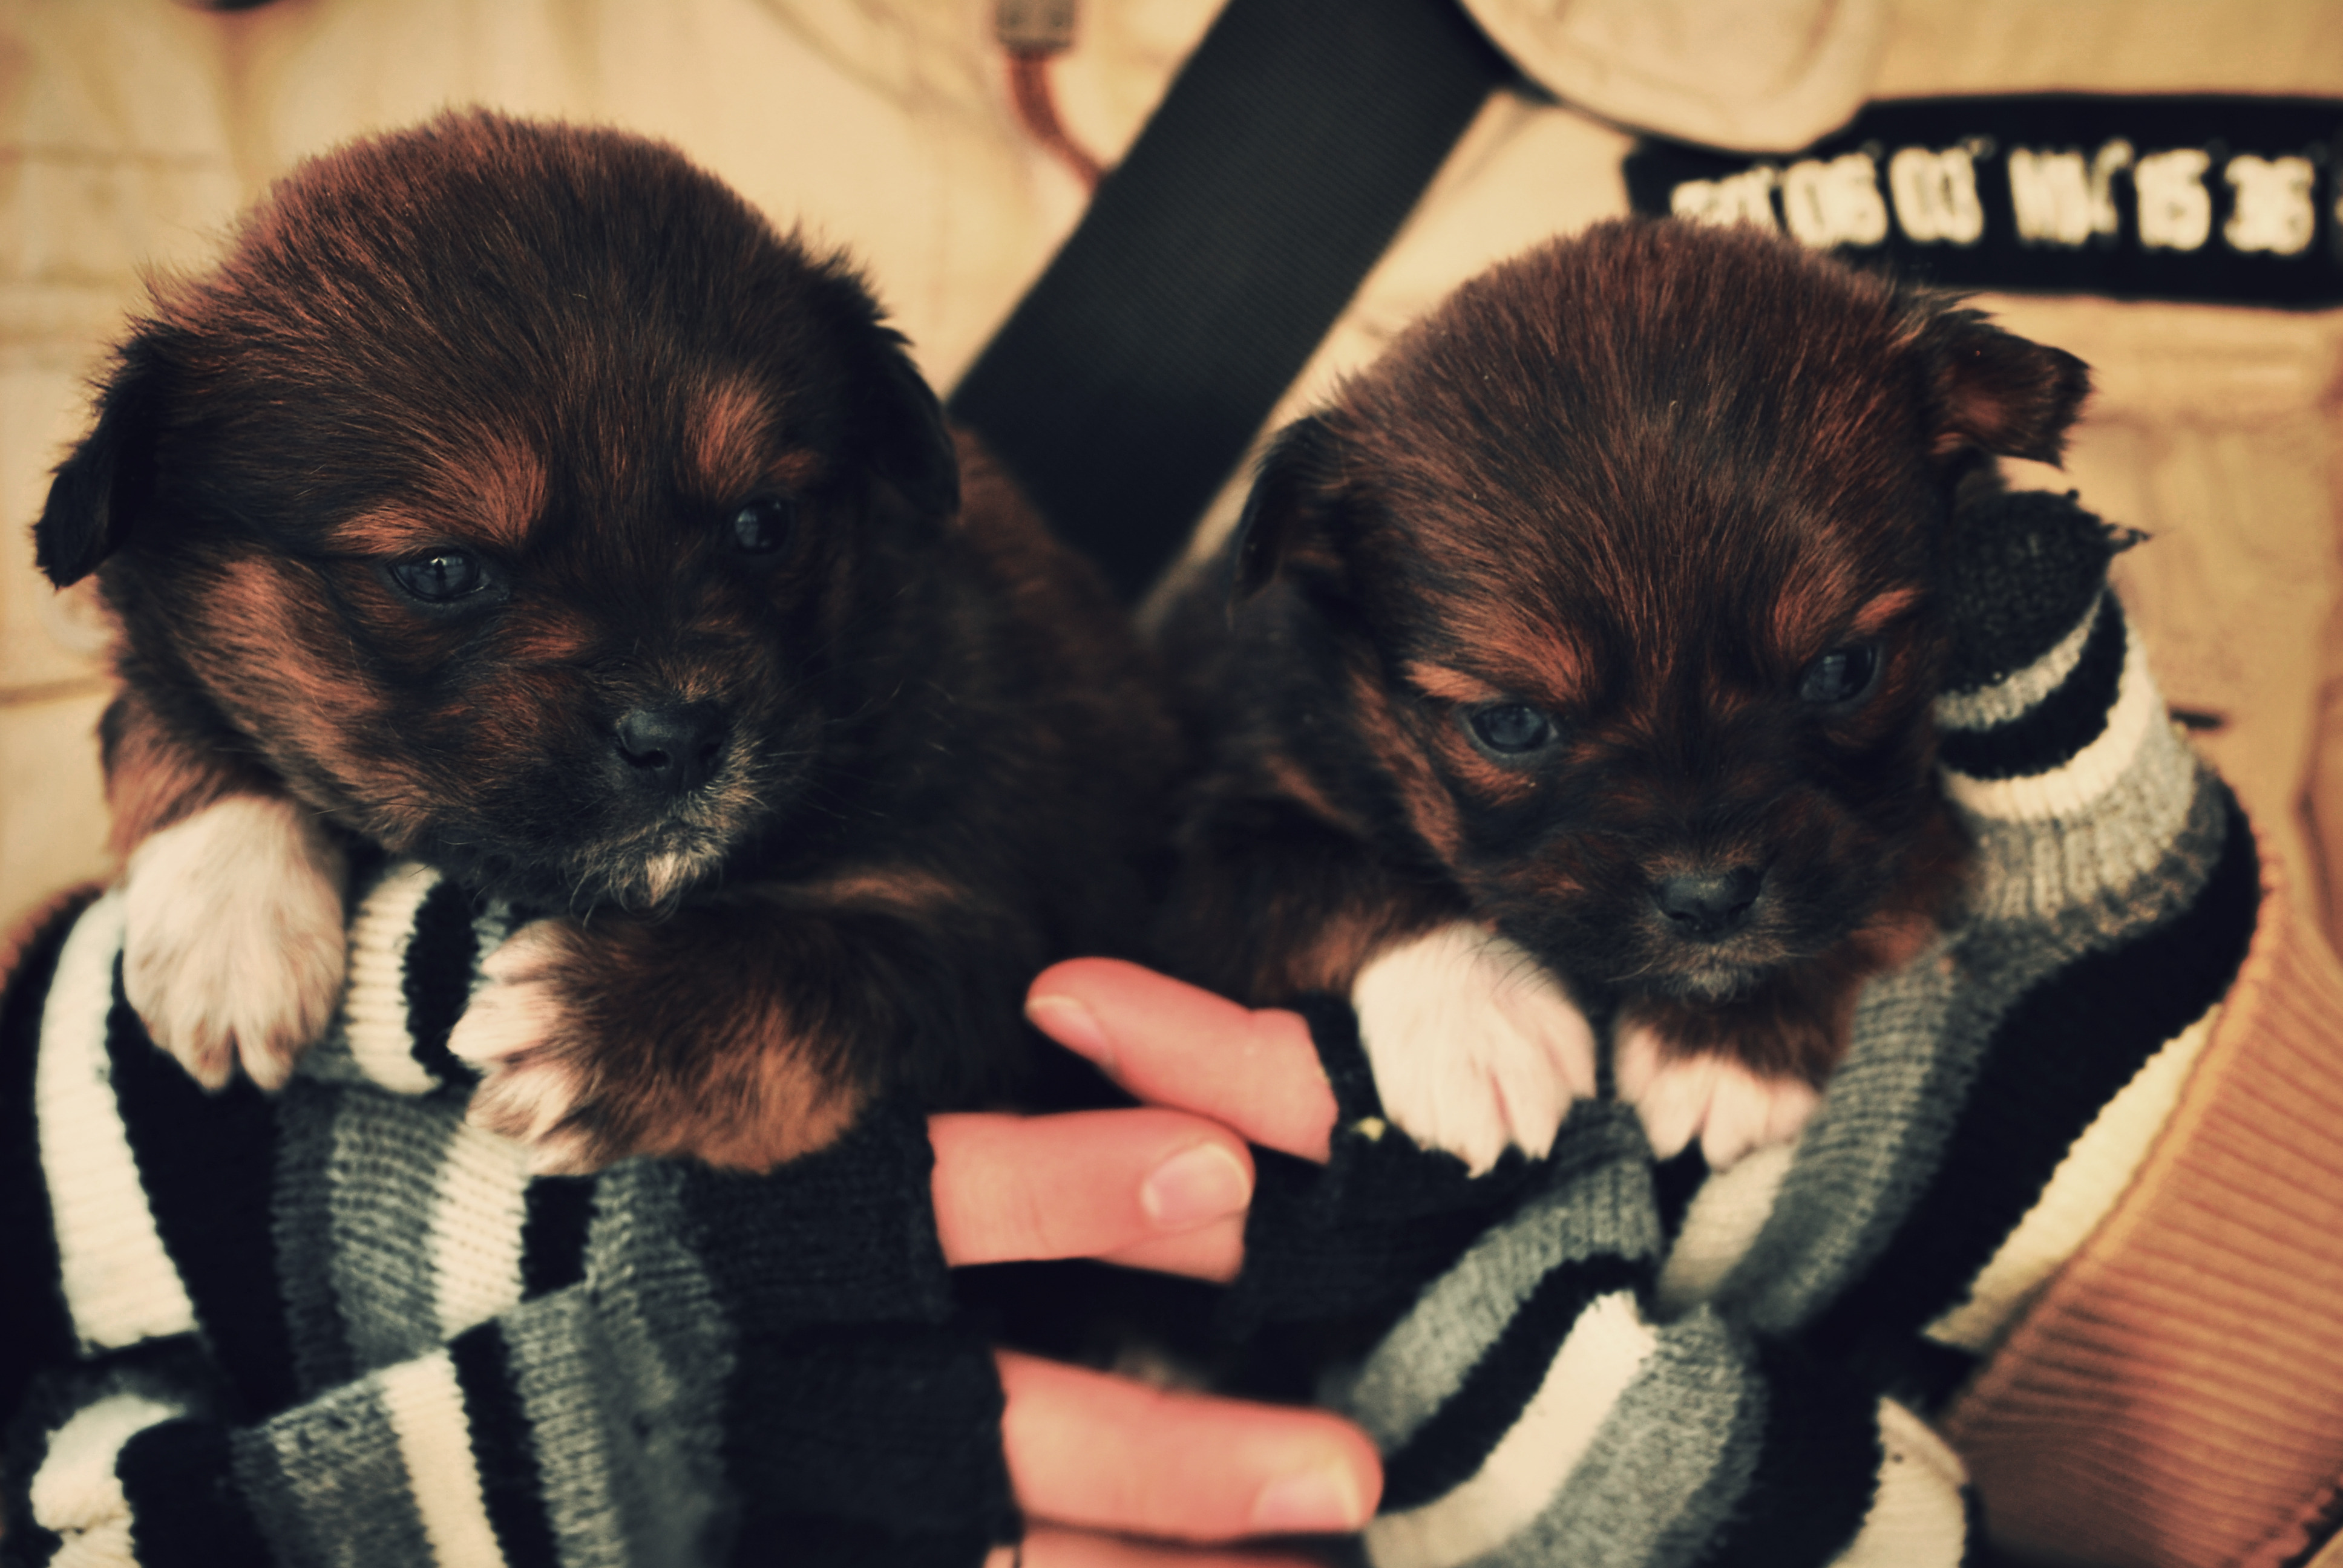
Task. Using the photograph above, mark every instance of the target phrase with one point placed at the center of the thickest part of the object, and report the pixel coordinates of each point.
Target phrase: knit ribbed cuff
(868, 1446)
(861, 1426)
(847, 1235)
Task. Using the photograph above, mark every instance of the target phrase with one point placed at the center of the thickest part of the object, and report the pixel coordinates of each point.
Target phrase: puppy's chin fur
(1708, 985)
(631, 878)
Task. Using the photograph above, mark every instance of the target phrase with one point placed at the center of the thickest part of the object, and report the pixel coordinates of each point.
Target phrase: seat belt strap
(1126, 386)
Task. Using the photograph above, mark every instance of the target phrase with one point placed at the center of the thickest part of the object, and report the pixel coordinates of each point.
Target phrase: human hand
(1095, 1459)
(1171, 1043)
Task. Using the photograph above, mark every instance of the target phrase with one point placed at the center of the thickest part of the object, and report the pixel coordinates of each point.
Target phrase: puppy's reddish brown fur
(1665, 503)
(513, 497)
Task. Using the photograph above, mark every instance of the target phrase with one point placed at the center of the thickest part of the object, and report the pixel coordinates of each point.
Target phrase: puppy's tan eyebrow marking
(1556, 664)
(388, 531)
(1804, 619)
(730, 445)
(479, 489)
(503, 485)
(1871, 617)
(1450, 685)
(479, 485)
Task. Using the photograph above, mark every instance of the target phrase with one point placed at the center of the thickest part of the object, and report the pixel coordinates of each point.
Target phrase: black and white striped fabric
(340, 1325)
(1600, 1377)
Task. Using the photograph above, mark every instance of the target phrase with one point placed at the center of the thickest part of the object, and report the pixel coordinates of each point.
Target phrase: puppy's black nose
(1706, 906)
(674, 748)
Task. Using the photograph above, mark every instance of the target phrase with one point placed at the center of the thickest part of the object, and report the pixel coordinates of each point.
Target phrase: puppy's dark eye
(443, 577)
(1511, 729)
(1842, 675)
(762, 527)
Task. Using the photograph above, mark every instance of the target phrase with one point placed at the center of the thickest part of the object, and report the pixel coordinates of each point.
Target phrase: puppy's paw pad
(1476, 1046)
(1731, 1110)
(233, 942)
(520, 1033)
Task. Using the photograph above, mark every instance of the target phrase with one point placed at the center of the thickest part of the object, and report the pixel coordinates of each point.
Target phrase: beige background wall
(132, 130)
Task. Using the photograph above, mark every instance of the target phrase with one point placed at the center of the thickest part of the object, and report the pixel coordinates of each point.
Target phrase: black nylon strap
(1126, 386)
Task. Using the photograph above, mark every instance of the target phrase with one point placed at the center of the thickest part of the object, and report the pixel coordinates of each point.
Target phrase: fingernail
(1072, 1025)
(1315, 1501)
(1206, 1183)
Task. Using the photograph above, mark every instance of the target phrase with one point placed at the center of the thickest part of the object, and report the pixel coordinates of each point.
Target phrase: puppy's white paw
(1474, 1046)
(1731, 1110)
(233, 947)
(515, 1030)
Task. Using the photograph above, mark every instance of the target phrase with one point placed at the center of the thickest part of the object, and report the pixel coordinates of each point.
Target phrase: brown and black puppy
(515, 498)
(1579, 657)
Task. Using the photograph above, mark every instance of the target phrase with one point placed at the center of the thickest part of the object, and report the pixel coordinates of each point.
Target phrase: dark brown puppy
(513, 497)
(1590, 636)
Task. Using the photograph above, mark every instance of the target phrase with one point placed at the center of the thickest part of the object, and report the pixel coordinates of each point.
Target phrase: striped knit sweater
(1622, 1363)
(340, 1326)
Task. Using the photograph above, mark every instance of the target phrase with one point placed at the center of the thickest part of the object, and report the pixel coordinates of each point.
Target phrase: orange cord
(1037, 110)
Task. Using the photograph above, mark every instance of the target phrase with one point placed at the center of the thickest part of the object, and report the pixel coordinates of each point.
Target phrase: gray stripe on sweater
(302, 1228)
(2138, 891)
(571, 1390)
(665, 1344)
(1599, 1204)
(1920, 1035)
(328, 1485)
(2034, 870)
(381, 1176)
(1667, 1469)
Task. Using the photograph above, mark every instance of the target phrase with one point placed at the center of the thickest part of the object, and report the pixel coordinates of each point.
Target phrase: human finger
(1088, 1450)
(1157, 1188)
(1171, 1043)
(1213, 1252)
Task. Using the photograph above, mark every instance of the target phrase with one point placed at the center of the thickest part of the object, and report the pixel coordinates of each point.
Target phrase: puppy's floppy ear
(1994, 390)
(106, 480)
(1279, 530)
(904, 432)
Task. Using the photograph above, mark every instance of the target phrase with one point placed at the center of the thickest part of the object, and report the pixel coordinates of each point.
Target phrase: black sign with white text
(2230, 200)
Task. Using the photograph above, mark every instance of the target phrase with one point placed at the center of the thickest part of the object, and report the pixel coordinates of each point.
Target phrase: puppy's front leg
(234, 947)
(1712, 1097)
(1475, 1046)
(1738, 1076)
(745, 1031)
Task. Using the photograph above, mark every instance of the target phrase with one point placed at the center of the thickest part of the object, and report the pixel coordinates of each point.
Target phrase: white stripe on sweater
(1916, 1519)
(2018, 694)
(119, 1283)
(374, 1010)
(1606, 1350)
(2097, 1170)
(426, 1406)
(2069, 790)
(478, 1210)
(75, 1492)
(1724, 1216)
